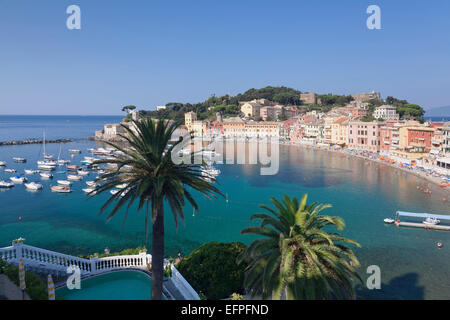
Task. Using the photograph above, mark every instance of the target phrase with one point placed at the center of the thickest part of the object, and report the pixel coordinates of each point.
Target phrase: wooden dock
(422, 225)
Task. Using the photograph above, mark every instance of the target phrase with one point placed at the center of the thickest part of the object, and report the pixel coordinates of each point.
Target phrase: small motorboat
(89, 190)
(389, 220)
(18, 179)
(64, 183)
(63, 162)
(2, 163)
(91, 183)
(47, 167)
(73, 167)
(116, 191)
(74, 151)
(6, 185)
(30, 172)
(33, 186)
(46, 175)
(83, 173)
(17, 159)
(74, 177)
(10, 170)
(431, 221)
(60, 189)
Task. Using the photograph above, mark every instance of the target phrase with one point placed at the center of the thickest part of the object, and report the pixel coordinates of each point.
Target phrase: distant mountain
(438, 112)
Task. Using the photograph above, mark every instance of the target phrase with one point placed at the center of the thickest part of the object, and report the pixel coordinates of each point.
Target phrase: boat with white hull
(64, 183)
(46, 175)
(18, 179)
(60, 189)
(33, 186)
(74, 178)
(6, 185)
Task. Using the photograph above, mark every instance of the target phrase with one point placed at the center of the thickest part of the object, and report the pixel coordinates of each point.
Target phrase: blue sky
(149, 53)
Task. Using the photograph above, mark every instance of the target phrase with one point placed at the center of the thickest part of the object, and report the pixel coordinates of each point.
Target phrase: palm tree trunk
(158, 254)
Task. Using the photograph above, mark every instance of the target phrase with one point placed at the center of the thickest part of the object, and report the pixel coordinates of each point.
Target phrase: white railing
(183, 286)
(54, 262)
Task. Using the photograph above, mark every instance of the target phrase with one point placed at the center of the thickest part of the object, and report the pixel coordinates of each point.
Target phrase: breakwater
(32, 141)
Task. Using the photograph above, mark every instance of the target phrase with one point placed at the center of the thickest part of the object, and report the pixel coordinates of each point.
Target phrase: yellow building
(189, 119)
(339, 131)
(199, 128)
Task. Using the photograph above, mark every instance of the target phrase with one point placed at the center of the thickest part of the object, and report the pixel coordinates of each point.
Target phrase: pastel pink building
(364, 135)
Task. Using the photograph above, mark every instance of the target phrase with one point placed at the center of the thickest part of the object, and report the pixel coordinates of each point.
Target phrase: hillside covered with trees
(229, 105)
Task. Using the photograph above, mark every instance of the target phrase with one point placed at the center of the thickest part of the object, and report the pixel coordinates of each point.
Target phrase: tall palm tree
(146, 168)
(297, 259)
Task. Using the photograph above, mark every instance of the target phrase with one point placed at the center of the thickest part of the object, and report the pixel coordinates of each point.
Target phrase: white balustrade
(50, 261)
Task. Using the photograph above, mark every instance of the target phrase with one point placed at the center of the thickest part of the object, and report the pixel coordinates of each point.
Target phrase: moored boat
(74, 177)
(46, 175)
(74, 151)
(64, 183)
(18, 179)
(6, 185)
(389, 220)
(2, 163)
(431, 221)
(17, 159)
(30, 172)
(9, 170)
(89, 190)
(60, 189)
(33, 186)
(91, 183)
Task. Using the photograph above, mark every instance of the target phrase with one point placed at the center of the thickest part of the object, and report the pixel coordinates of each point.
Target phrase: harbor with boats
(362, 193)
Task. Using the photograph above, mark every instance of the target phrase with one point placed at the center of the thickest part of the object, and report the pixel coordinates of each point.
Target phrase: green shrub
(36, 287)
(212, 269)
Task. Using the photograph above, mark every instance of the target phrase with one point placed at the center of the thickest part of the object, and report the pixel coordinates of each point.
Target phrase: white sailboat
(47, 164)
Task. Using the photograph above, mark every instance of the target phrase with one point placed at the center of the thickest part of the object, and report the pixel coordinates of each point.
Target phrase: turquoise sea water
(361, 192)
(122, 285)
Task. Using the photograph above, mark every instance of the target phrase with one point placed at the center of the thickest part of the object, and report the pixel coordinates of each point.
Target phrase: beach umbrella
(22, 277)
(51, 288)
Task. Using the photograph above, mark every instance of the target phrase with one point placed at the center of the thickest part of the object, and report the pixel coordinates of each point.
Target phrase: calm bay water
(361, 192)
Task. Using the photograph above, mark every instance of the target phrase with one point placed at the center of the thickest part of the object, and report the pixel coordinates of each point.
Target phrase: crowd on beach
(434, 175)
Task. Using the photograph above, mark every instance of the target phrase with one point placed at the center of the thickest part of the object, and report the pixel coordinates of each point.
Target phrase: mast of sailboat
(44, 145)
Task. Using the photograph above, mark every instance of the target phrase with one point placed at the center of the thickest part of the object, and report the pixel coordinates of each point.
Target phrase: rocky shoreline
(32, 141)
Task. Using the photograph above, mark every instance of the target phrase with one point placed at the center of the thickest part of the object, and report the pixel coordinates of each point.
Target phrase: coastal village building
(233, 127)
(261, 130)
(189, 119)
(416, 138)
(364, 135)
(159, 108)
(253, 108)
(199, 128)
(386, 112)
(339, 131)
(446, 139)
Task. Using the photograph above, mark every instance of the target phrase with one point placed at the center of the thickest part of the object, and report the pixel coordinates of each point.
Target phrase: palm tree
(297, 259)
(146, 168)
